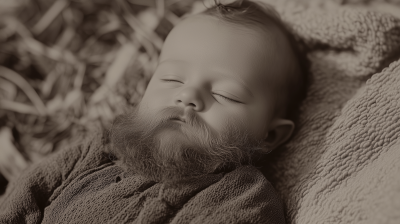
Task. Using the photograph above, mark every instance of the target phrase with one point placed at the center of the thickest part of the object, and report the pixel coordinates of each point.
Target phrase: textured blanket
(343, 166)
(82, 185)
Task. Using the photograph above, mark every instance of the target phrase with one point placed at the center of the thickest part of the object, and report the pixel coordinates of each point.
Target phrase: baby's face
(222, 72)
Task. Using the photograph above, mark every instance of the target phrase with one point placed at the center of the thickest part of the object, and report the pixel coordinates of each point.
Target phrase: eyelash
(171, 80)
(224, 97)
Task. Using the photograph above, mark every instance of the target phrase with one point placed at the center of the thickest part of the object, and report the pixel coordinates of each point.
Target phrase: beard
(163, 150)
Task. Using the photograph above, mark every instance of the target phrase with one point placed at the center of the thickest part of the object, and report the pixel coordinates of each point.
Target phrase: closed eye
(171, 80)
(227, 99)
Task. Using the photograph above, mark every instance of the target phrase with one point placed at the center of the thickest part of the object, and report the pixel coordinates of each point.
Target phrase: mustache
(162, 119)
(172, 112)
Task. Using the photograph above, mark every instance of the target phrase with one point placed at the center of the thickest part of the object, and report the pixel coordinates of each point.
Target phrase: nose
(190, 97)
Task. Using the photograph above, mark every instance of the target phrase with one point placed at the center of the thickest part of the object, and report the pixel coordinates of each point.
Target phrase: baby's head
(233, 75)
(232, 63)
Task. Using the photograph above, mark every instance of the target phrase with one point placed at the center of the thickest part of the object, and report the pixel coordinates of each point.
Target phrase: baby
(225, 93)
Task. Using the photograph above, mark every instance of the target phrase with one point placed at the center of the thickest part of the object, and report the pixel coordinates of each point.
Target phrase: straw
(68, 67)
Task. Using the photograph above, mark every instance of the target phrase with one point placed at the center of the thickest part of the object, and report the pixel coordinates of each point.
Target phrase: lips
(182, 119)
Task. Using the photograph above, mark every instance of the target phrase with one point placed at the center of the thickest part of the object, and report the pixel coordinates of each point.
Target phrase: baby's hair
(250, 13)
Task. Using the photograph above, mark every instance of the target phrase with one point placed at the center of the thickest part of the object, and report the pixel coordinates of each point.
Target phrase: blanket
(343, 164)
(82, 185)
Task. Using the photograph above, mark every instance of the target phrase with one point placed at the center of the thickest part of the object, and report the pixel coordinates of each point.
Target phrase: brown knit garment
(81, 185)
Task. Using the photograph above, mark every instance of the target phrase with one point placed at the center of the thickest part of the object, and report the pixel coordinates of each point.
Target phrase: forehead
(210, 44)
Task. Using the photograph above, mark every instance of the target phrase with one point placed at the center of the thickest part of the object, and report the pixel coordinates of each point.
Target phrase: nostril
(118, 179)
(186, 103)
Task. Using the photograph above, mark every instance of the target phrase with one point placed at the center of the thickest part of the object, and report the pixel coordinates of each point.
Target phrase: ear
(279, 132)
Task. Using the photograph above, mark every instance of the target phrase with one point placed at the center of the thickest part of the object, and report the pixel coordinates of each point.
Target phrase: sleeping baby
(225, 93)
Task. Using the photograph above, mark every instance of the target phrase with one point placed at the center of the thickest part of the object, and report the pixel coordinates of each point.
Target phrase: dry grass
(68, 67)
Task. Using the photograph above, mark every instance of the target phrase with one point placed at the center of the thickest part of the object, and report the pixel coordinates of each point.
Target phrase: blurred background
(68, 67)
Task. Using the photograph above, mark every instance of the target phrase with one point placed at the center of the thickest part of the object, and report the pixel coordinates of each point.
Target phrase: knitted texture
(342, 166)
(81, 185)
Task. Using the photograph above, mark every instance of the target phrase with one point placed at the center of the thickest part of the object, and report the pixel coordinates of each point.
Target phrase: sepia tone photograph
(200, 111)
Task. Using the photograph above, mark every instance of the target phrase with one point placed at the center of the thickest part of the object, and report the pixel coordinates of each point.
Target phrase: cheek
(247, 119)
(258, 122)
(154, 98)
(219, 119)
